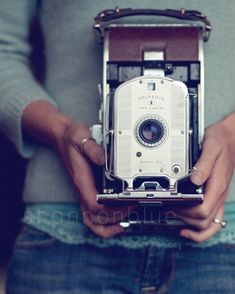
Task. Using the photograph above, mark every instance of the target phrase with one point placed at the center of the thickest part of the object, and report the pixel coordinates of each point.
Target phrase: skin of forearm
(229, 125)
(42, 121)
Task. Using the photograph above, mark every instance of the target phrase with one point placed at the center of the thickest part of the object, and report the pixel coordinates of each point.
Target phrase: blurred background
(12, 167)
(12, 171)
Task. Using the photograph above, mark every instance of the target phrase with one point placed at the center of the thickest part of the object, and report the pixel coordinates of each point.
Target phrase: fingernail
(100, 161)
(197, 177)
(184, 234)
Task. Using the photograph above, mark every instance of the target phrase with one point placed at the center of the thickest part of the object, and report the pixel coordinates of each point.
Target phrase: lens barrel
(151, 131)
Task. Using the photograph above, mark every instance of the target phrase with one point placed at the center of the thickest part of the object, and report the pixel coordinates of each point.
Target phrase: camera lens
(151, 131)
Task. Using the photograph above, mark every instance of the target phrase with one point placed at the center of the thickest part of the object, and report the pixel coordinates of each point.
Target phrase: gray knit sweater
(74, 68)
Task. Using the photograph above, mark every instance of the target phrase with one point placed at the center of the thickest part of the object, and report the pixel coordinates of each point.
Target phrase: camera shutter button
(176, 168)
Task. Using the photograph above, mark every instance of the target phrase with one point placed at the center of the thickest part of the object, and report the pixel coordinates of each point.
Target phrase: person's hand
(45, 123)
(215, 168)
(102, 220)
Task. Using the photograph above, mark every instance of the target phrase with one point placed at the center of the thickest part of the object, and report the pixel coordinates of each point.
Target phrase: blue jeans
(42, 265)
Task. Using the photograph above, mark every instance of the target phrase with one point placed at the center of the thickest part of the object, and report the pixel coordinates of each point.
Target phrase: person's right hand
(102, 220)
(45, 123)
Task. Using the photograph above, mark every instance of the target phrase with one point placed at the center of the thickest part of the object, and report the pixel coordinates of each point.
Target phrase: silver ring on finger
(83, 141)
(223, 223)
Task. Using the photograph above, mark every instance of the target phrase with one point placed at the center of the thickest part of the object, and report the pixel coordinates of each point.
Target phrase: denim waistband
(64, 222)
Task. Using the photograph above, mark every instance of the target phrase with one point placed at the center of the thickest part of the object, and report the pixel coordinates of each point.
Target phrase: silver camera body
(147, 140)
(151, 130)
(152, 108)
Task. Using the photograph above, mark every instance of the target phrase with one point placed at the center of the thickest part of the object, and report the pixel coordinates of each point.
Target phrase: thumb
(205, 164)
(94, 152)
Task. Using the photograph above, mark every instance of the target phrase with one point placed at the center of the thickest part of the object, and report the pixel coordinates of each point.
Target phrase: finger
(205, 164)
(111, 216)
(220, 176)
(107, 215)
(202, 223)
(103, 230)
(90, 148)
(214, 193)
(84, 181)
(109, 231)
(94, 152)
(203, 235)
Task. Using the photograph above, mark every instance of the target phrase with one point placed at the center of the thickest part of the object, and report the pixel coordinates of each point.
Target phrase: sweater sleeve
(18, 88)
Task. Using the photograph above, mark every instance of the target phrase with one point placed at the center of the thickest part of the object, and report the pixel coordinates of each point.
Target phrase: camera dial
(151, 131)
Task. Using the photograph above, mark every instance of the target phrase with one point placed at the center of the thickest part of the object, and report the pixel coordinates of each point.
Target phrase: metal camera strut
(187, 15)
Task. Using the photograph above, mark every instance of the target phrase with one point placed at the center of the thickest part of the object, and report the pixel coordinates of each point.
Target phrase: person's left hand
(215, 168)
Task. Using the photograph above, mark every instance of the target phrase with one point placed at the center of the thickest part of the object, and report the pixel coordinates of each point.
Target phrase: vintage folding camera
(152, 108)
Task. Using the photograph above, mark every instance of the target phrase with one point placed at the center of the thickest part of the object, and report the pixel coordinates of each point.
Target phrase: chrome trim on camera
(155, 198)
(201, 90)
